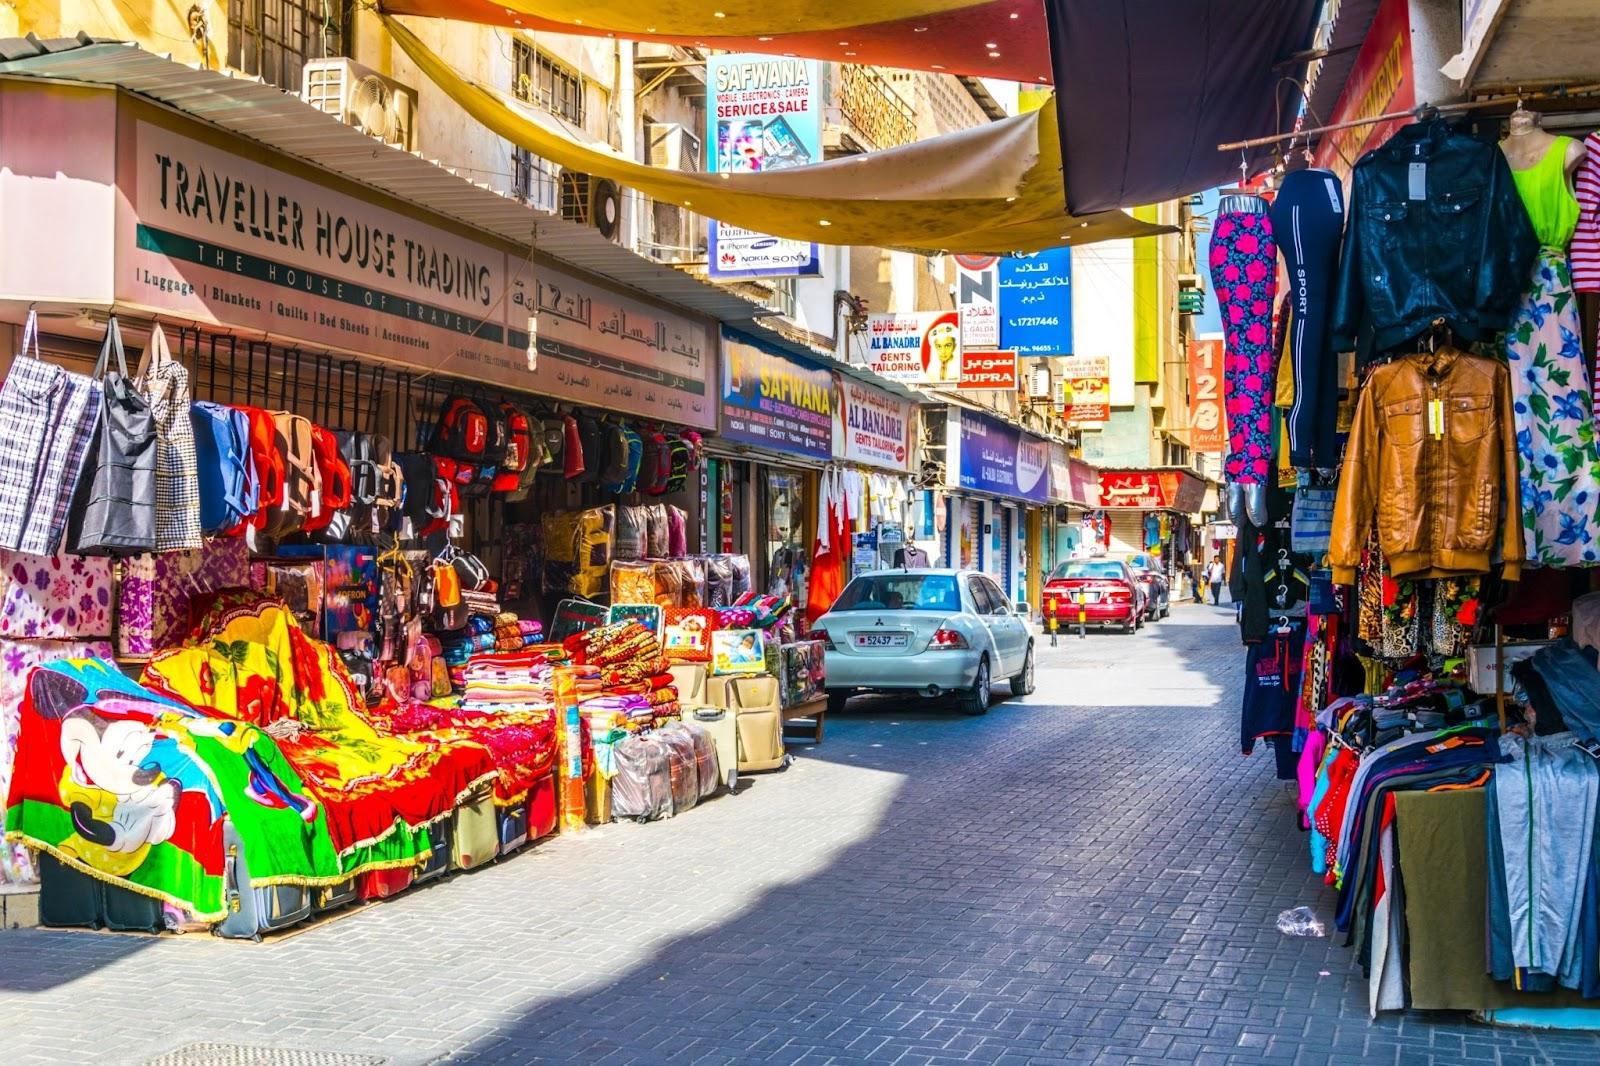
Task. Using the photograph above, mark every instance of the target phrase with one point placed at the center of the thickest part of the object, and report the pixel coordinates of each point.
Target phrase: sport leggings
(1308, 218)
(1244, 263)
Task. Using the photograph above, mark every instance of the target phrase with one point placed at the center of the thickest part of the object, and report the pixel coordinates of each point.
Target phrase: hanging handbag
(115, 509)
(165, 382)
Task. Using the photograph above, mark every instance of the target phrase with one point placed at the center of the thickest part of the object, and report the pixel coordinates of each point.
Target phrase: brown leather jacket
(1433, 459)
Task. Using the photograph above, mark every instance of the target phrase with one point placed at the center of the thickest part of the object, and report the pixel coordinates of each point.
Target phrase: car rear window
(1081, 569)
(900, 592)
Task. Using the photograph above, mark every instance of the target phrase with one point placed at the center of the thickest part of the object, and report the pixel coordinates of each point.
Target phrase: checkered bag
(165, 382)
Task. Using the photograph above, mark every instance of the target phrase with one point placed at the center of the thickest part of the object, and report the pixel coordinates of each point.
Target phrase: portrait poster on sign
(922, 347)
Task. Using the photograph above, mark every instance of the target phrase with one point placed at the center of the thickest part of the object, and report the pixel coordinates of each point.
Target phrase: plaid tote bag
(165, 382)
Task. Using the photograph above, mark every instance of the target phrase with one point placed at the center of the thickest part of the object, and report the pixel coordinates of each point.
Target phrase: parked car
(1110, 594)
(1146, 570)
(929, 631)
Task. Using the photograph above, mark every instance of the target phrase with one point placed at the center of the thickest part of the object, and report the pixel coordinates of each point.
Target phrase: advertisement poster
(1207, 433)
(1379, 82)
(874, 426)
(738, 651)
(1036, 302)
(762, 113)
(978, 300)
(988, 370)
(922, 347)
(1086, 388)
(1000, 459)
(772, 400)
(1172, 490)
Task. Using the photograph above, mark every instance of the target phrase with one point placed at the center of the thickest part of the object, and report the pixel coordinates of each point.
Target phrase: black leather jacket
(1437, 231)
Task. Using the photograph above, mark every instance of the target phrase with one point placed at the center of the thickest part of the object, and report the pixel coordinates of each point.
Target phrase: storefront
(1074, 493)
(1000, 474)
(1154, 511)
(873, 442)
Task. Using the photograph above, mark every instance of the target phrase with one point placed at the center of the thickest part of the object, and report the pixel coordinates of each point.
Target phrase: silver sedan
(931, 632)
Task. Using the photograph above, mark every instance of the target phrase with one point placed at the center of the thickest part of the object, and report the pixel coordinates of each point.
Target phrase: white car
(932, 632)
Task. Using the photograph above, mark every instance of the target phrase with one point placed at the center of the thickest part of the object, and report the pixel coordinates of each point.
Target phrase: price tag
(1417, 182)
(1436, 419)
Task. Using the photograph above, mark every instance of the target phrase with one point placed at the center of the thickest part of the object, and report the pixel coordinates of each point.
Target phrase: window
(272, 39)
(900, 592)
(548, 83)
(983, 601)
(997, 599)
(1079, 569)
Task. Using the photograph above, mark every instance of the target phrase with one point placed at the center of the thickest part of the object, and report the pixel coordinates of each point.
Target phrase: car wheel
(976, 699)
(837, 698)
(1022, 684)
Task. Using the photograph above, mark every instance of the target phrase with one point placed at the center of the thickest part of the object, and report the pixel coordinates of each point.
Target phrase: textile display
(128, 786)
(114, 508)
(158, 592)
(1244, 270)
(1308, 219)
(54, 596)
(165, 382)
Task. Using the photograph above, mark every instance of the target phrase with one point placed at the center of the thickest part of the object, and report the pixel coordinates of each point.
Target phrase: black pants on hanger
(1307, 222)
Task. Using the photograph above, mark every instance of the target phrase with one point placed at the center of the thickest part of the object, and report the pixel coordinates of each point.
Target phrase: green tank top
(1552, 208)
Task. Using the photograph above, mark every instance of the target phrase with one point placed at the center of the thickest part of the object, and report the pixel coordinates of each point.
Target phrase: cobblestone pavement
(1088, 875)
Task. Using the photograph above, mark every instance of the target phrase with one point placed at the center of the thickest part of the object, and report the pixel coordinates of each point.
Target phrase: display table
(807, 719)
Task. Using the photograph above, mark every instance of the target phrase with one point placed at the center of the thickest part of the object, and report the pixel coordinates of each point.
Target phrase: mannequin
(1526, 143)
(1308, 217)
(1244, 274)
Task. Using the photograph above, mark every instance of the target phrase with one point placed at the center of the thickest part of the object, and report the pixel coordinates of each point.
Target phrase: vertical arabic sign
(978, 300)
(1206, 430)
(772, 400)
(1036, 303)
(764, 113)
(923, 347)
(1086, 389)
(1001, 460)
(874, 426)
(601, 348)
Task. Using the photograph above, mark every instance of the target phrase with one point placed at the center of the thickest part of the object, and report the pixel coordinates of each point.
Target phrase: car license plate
(1088, 597)
(882, 640)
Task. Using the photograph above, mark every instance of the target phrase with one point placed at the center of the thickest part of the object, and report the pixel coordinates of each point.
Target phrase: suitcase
(381, 884)
(543, 810)
(642, 787)
(597, 798)
(441, 841)
(332, 897)
(759, 719)
(690, 681)
(719, 725)
(512, 825)
(682, 768)
(253, 911)
(477, 834)
(70, 898)
(708, 766)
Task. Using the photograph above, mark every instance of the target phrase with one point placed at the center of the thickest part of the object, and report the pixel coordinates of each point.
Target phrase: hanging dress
(1560, 464)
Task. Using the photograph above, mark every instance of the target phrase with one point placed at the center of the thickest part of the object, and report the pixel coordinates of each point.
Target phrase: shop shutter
(969, 543)
(1127, 531)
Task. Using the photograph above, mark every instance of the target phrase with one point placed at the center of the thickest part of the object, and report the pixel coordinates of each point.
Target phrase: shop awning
(995, 188)
(987, 38)
(1149, 88)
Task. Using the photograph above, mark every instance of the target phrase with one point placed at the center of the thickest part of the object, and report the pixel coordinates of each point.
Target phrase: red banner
(1207, 432)
(1380, 82)
(1152, 490)
(988, 370)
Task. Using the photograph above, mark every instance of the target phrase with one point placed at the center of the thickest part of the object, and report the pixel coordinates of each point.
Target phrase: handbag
(115, 508)
(165, 382)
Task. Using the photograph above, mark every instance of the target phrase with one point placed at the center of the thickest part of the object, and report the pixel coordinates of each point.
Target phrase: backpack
(464, 432)
(519, 445)
(657, 464)
(678, 462)
(226, 475)
(333, 473)
(635, 458)
(592, 435)
(572, 464)
(427, 493)
(268, 467)
(538, 456)
(554, 431)
(614, 457)
(302, 487)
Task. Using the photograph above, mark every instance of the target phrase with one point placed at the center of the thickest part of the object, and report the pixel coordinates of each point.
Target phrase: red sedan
(1110, 595)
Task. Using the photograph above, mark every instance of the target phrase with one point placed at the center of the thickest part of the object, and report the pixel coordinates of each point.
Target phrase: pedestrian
(1214, 576)
(1197, 588)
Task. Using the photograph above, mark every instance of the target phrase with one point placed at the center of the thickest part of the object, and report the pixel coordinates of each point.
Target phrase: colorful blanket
(133, 788)
(521, 738)
(252, 661)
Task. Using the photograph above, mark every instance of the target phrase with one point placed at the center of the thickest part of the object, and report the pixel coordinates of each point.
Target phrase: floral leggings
(1244, 272)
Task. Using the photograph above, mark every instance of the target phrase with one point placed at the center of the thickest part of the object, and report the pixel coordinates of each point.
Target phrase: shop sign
(874, 427)
(1086, 389)
(1000, 459)
(995, 371)
(978, 300)
(764, 113)
(775, 401)
(225, 237)
(1206, 430)
(1380, 81)
(601, 348)
(1171, 490)
(1224, 531)
(922, 347)
(1060, 474)
(1036, 302)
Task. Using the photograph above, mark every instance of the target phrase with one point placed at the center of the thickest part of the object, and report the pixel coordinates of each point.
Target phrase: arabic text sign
(988, 370)
(1036, 302)
(915, 346)
(1206, 430)
(217, 236)
(1086, 388)
(764, 113)
(601, 348)
(978, 300)
(1000, 459)
(1172, 490)
(772, 400)
(875, 425)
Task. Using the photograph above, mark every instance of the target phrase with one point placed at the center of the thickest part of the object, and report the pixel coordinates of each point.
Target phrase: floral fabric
(158, 591)
(54, 597)
(1555, 431)
(1244, 272)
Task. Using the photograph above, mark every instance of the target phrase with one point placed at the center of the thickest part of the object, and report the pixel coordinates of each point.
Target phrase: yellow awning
(688, 18)
(993, 189)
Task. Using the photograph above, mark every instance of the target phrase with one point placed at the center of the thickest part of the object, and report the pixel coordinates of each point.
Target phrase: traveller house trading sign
(222, 237)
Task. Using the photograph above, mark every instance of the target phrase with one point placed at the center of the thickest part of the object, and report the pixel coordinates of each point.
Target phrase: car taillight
(945, 637)
(1119, 596)
(822, 635)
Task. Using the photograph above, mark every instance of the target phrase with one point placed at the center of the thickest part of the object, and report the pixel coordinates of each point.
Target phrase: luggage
(708, 762)
(332, 897)
(253, 911)
(642, 787)
(511, 824)
(721, 727)
(543, 809)
(70, 898)
(476, 839)
(754, 702)
(441, 843)
(294, 443)
(597, 799)
(682, 768)
(381, 884)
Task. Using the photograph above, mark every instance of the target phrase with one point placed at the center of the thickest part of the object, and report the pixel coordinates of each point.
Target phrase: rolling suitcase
(253, 911)
(758, 716)
(436, 863)
(70, 898)
(331, 897)
(381, 884)
(512, 826)
(719, 725)
(477, 835)
(543, 810)
(682, 768)
(708, 766)
(642, 787)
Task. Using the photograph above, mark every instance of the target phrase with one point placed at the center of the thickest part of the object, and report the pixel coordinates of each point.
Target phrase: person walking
(1214, 575)
(1197, 588)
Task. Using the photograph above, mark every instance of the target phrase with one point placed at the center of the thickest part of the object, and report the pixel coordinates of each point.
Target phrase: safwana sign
(1000, 459)
(772, 400)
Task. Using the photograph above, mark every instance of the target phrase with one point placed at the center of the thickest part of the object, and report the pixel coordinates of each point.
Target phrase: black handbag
(115, 508)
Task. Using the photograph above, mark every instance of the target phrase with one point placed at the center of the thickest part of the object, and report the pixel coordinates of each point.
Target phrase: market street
(1089, 875)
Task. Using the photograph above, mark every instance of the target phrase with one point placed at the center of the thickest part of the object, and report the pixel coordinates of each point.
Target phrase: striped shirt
(1585, 252)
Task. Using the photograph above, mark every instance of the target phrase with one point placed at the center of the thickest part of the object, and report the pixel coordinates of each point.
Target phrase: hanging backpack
(554, 430)
(657, 465)
(677, 464)
(572, 461)
(375, 487)
(519, 449)
(614, 457)
(226, 475)
(635, 458)
(427, 493)
(464, 431)
(592, 435)
(538, 456)
(333, 476)
(268, 464)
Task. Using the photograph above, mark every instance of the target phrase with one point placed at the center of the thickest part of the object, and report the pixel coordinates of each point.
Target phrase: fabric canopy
(992, 189)
(988, 38)
(1147, 99)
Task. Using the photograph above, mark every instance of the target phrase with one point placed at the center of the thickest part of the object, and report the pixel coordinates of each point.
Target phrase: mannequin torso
(1526, 144)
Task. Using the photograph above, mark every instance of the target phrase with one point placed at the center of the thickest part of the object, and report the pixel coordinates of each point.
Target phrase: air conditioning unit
(672, 146)
(593, 202)
(362, 98)
(1192, 281)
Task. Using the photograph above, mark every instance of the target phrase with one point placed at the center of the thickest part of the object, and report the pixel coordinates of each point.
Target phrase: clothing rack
(1416, 112)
